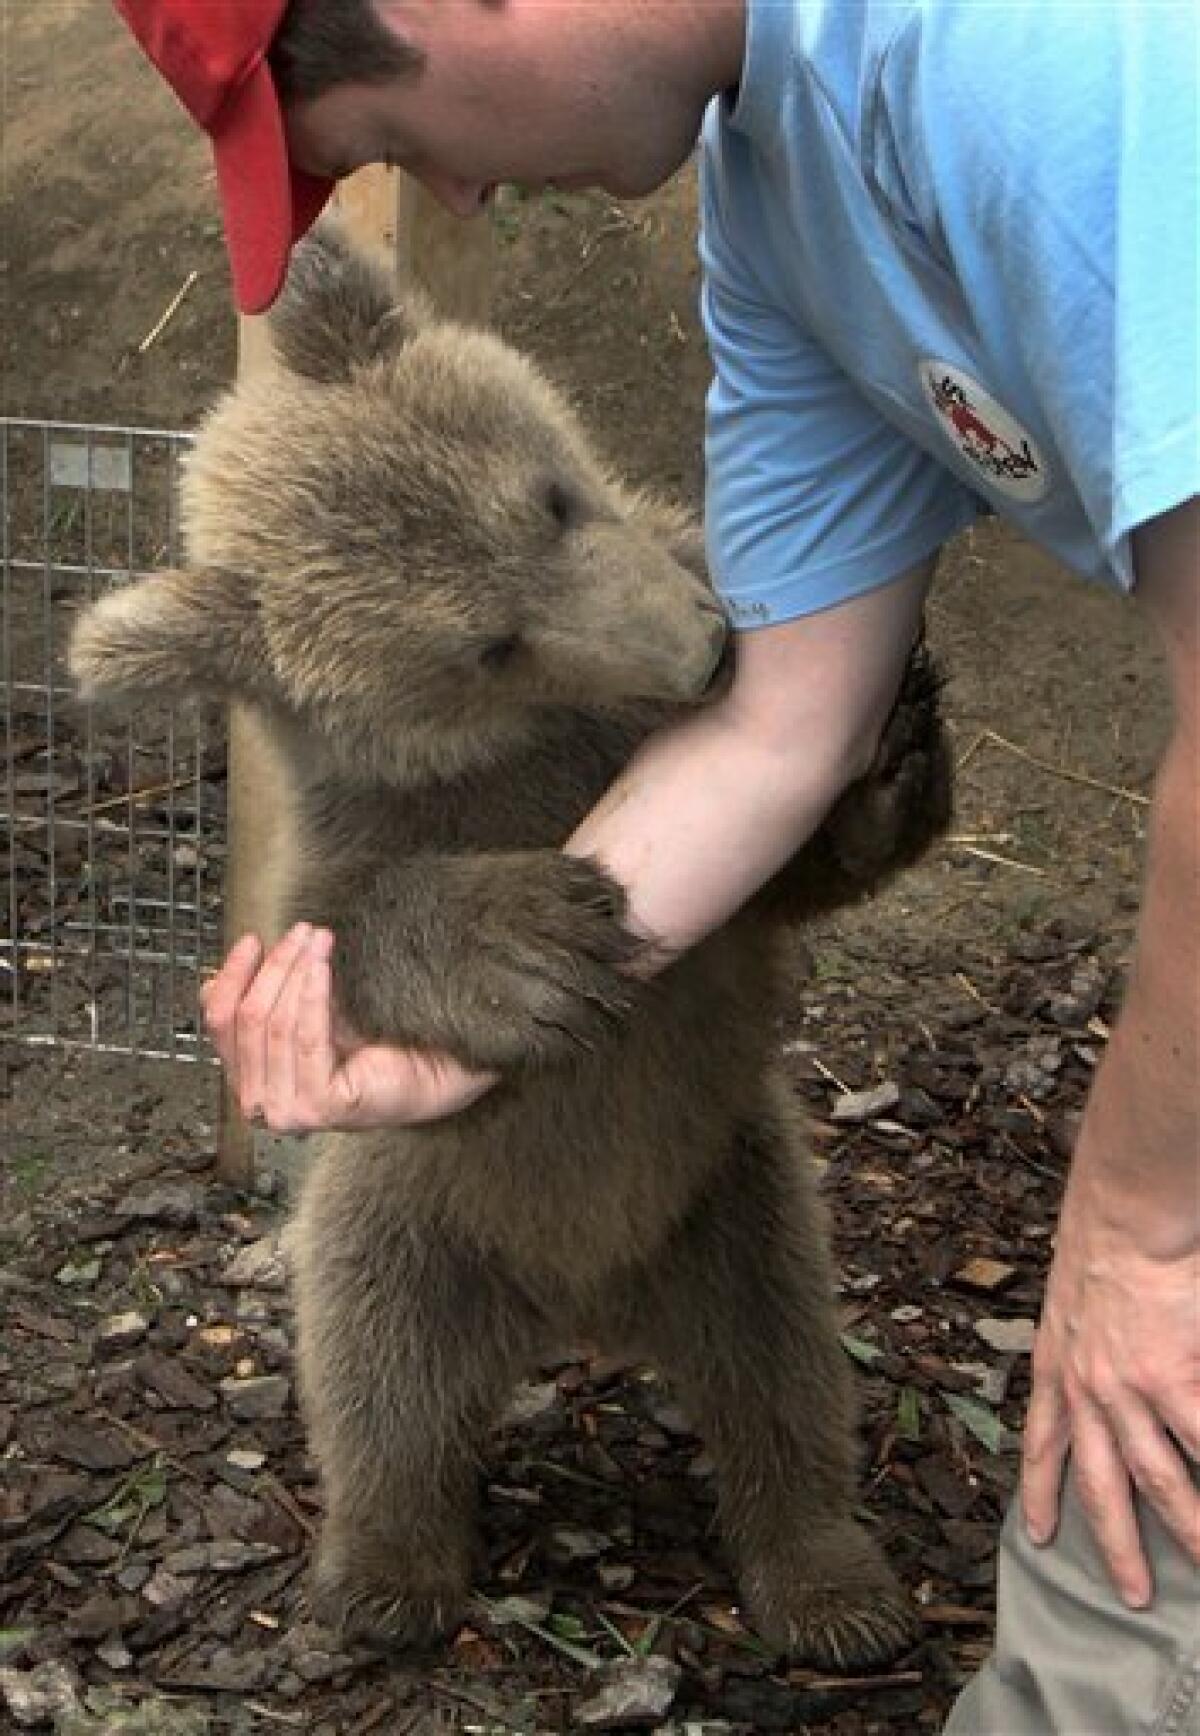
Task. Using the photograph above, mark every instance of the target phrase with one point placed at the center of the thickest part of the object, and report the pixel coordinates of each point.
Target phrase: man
(950, 257)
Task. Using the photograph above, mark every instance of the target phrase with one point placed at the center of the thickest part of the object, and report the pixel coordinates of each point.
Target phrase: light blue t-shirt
(950, 256)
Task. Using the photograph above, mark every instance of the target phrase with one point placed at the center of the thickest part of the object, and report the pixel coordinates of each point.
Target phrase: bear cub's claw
(384, 1613)
(851, 1616)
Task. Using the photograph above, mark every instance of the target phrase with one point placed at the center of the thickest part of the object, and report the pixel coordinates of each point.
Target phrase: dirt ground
(981, 988)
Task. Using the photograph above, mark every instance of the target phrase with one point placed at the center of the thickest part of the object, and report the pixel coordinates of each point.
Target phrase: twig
(828, 1073)
(284, 1499)
(1066, 772)
(140, 794)
(173, 306)
(1004, 861)
(1031, 1108)
(964, 982)
(848, 1684)
(970, 752)
(150, 1443)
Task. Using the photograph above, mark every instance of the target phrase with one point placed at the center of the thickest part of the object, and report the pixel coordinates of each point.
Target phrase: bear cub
(455, 626)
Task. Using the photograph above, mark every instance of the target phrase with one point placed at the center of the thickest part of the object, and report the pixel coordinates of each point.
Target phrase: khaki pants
(1070, 1658)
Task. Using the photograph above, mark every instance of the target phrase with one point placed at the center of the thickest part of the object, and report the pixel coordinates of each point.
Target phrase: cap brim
(266, 203)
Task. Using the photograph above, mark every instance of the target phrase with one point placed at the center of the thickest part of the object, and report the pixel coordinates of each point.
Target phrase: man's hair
(322, 43)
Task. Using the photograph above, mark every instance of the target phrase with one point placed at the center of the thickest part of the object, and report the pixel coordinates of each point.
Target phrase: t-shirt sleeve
(811, 496)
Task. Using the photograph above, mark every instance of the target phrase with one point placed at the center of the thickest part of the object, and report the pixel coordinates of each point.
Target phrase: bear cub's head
(399, 540)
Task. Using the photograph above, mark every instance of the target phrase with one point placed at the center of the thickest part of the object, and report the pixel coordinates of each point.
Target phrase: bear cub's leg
(741, 1313)
(408, 1347)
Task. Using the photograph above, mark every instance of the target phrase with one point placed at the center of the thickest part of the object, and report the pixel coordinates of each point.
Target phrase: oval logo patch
(984, 432)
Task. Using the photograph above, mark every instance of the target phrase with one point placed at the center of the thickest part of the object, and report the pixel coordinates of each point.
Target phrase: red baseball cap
(213, 54)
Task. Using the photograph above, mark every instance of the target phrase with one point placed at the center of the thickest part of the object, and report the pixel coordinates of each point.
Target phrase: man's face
(539, 92)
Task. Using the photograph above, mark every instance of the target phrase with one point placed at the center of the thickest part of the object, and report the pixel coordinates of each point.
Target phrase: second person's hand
(296, 1067)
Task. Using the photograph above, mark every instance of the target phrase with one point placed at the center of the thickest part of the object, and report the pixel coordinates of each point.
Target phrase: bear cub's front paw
(552, 965)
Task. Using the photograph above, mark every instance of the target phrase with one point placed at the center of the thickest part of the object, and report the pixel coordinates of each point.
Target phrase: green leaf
(12, 1639)
(983, 1423)
(145, 1487)
(567, 1627)
(861, 1349)
(908, 1414)
(647, 1637)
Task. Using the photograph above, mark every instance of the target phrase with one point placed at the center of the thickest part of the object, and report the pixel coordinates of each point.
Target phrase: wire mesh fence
(111, 829)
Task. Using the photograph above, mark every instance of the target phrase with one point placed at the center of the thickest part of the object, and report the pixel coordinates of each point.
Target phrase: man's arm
(1117, 1362)
(707, 812)
(703, 815)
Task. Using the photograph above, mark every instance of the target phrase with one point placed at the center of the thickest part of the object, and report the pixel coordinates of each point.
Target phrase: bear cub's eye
(499, 653)
(565, 508)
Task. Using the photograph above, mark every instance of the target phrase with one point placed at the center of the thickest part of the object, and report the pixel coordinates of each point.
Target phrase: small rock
(39, 1696)
(89, 1446)
(670, 1417)
(1082, 998)
(990, 1379)
(854, 1106)
(568, 1543)
(115, 1655)
(1014, 1337)
(984, 1274)
(224, 1671)
(79, 1274)
(255, 1397)
(906, 1313)
(222, 1555)
(170, 1379)
(259, 1266)
(615, 1575)
(120, 1331)
(165, 1590)
(179, 1203)
(246, 1459)
(635, 1691)
(532, 1606)
(133, 1576)
(530, 1401)
(101, 1616)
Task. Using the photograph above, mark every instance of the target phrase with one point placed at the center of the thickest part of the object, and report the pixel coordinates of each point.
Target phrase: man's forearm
(1140, 1139)
(708, 810)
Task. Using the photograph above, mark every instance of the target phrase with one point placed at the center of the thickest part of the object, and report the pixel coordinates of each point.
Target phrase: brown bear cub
(455, 626)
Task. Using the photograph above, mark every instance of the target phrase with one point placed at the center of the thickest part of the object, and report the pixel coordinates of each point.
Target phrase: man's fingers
(1043, 1459)
(1162, 1475)
(254, 1015)
(1102, 1479)
(282, 1085)
(222, 995)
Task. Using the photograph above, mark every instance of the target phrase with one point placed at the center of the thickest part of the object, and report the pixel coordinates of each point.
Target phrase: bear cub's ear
(174, 636)
(340, 310)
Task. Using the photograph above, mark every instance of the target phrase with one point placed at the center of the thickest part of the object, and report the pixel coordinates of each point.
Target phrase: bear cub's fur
(456, 626)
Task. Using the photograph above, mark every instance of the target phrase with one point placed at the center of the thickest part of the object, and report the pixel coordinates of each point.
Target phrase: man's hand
(1117, 1363)
(295, 1067)
(1116, 1372)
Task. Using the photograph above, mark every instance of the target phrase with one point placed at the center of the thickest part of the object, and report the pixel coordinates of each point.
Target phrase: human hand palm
(297, 1067)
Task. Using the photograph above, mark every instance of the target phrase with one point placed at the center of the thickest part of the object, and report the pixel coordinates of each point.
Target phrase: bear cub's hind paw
(855, 1616)
(385, 1613)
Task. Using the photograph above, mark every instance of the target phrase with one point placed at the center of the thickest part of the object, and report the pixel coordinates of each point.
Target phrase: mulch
(157, 1501)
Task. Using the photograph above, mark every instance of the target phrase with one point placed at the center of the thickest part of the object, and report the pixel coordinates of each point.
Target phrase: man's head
(462, 94)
